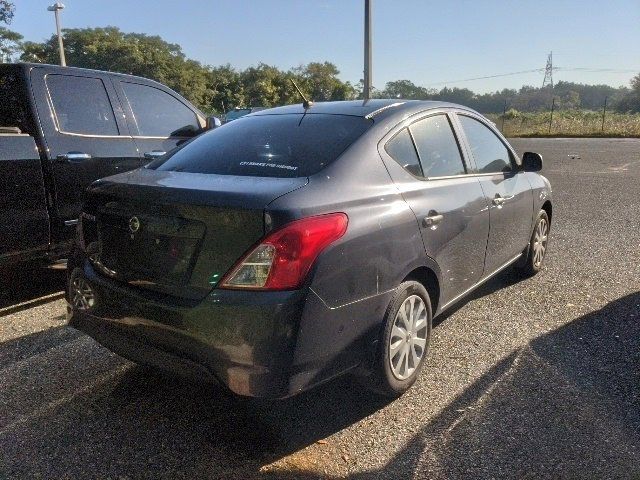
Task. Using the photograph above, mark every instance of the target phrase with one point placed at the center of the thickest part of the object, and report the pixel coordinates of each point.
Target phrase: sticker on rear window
(270, 165)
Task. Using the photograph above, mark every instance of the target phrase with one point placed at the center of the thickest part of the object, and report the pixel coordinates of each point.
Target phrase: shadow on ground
(566, 405)
(27, 284)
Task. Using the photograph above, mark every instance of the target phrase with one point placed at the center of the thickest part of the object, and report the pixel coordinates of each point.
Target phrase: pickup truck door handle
(73, 157)
(432, 220)
(153, 154)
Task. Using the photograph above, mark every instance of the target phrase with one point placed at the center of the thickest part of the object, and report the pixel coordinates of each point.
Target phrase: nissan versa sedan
(296, 244)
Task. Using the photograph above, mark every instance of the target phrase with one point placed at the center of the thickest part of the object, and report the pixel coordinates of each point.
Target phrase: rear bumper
(244, 340)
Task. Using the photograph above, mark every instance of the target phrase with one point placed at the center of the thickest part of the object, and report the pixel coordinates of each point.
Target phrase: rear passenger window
(158, 114)
(81, 105)
(490, 154)
(401, 149)
(437, 147)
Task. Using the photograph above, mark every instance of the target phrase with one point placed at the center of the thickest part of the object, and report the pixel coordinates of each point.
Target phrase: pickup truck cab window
(87, 111)
(490, 154)
(158, 114)
(437, 147)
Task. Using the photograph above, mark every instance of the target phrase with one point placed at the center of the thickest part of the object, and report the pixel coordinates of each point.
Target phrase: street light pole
(367, 50)
(55, 8)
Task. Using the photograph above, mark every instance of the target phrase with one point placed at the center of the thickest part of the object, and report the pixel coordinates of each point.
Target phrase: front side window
(81, 105)
(158, 114)
(295, 145)
(402, 150)
(437, 147)
(490, 154)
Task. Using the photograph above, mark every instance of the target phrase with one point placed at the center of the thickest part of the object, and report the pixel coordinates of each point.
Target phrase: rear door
(508, 191)
(426, 163)
(85, 135)
(158, 118)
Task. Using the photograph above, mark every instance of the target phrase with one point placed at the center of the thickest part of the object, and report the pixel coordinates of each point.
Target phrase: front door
(85, 135)
(450, 207)
(508, 192)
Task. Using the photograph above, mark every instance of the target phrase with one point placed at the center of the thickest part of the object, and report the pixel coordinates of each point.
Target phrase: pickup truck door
(24, 221)
(85, 135)
(158, 118)
(506, 188)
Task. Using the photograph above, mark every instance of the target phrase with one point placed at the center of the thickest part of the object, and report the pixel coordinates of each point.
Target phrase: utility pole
(55, 8)
(367, 50)
(548, 72)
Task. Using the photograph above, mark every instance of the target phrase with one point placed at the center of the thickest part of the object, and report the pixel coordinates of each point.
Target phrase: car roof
(360, 108)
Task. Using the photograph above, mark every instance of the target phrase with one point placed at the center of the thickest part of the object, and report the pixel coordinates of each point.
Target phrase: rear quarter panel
(353, 280)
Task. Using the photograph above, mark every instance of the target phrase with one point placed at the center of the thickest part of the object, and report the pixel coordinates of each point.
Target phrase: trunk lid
(176, 233)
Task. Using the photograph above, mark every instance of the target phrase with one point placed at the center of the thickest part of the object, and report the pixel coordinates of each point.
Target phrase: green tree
(133, 53)
(630, 102)
(408, 90)
(10, 44)
(7, 9)
(320, 81)
(227, 89)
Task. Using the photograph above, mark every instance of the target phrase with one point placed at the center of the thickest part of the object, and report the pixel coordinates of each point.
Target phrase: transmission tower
(548, 72)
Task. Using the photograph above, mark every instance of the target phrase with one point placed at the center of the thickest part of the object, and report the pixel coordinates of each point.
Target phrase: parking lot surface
(536, 378)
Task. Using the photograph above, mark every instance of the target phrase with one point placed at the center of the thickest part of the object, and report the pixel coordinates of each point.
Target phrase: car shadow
(23, 288)
(565, 406)
(71, 409)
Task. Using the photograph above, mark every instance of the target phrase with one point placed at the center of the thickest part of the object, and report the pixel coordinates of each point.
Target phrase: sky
(429, 42)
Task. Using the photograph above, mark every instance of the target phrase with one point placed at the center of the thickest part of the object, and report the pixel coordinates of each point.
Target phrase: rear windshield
(293, 145)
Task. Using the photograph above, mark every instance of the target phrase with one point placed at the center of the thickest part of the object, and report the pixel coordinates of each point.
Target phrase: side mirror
(213, 122)
(531, 162)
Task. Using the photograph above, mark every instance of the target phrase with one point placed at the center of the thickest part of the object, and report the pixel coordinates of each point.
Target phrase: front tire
(405, 339)
(536, 252)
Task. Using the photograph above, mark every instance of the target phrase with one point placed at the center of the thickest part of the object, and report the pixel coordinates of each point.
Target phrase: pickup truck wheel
(405, 340)
(536, 252)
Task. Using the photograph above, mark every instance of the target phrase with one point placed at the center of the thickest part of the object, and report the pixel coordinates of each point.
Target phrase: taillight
(283, 259)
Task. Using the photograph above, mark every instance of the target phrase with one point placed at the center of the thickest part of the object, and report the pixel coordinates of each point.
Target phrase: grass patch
(568, 123)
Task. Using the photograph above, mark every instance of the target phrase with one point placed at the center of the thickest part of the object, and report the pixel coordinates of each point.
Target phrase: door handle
(73, 157)
(153, 154)
(498, 201)
(432, 220)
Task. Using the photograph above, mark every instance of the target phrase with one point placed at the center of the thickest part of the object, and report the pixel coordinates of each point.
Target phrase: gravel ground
(527, 379)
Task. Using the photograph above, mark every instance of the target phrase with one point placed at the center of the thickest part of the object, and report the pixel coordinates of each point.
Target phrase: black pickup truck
(61, 129)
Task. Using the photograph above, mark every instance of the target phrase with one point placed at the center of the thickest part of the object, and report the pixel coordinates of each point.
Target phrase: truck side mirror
(213, 122)
(531, 162)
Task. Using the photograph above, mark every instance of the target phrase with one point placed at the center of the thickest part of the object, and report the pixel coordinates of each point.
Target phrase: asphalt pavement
(536, 378)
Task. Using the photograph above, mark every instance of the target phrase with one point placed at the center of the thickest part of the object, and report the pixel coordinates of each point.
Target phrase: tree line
(221, 88)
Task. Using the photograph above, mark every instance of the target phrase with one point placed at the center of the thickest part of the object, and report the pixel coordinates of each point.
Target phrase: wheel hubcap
(540, 242)
(408, 339)
(82, 295)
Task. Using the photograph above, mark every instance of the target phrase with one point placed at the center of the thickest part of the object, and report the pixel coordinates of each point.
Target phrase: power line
(488, 76)
(540, 70)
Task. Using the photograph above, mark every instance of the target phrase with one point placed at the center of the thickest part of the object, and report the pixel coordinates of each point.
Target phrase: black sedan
(296, 244)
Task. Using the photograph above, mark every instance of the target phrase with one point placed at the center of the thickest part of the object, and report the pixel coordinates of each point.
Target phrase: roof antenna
(306, 103)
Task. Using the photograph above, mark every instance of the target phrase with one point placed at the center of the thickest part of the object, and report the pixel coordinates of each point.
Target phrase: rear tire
(404, 344)
(536, 252)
